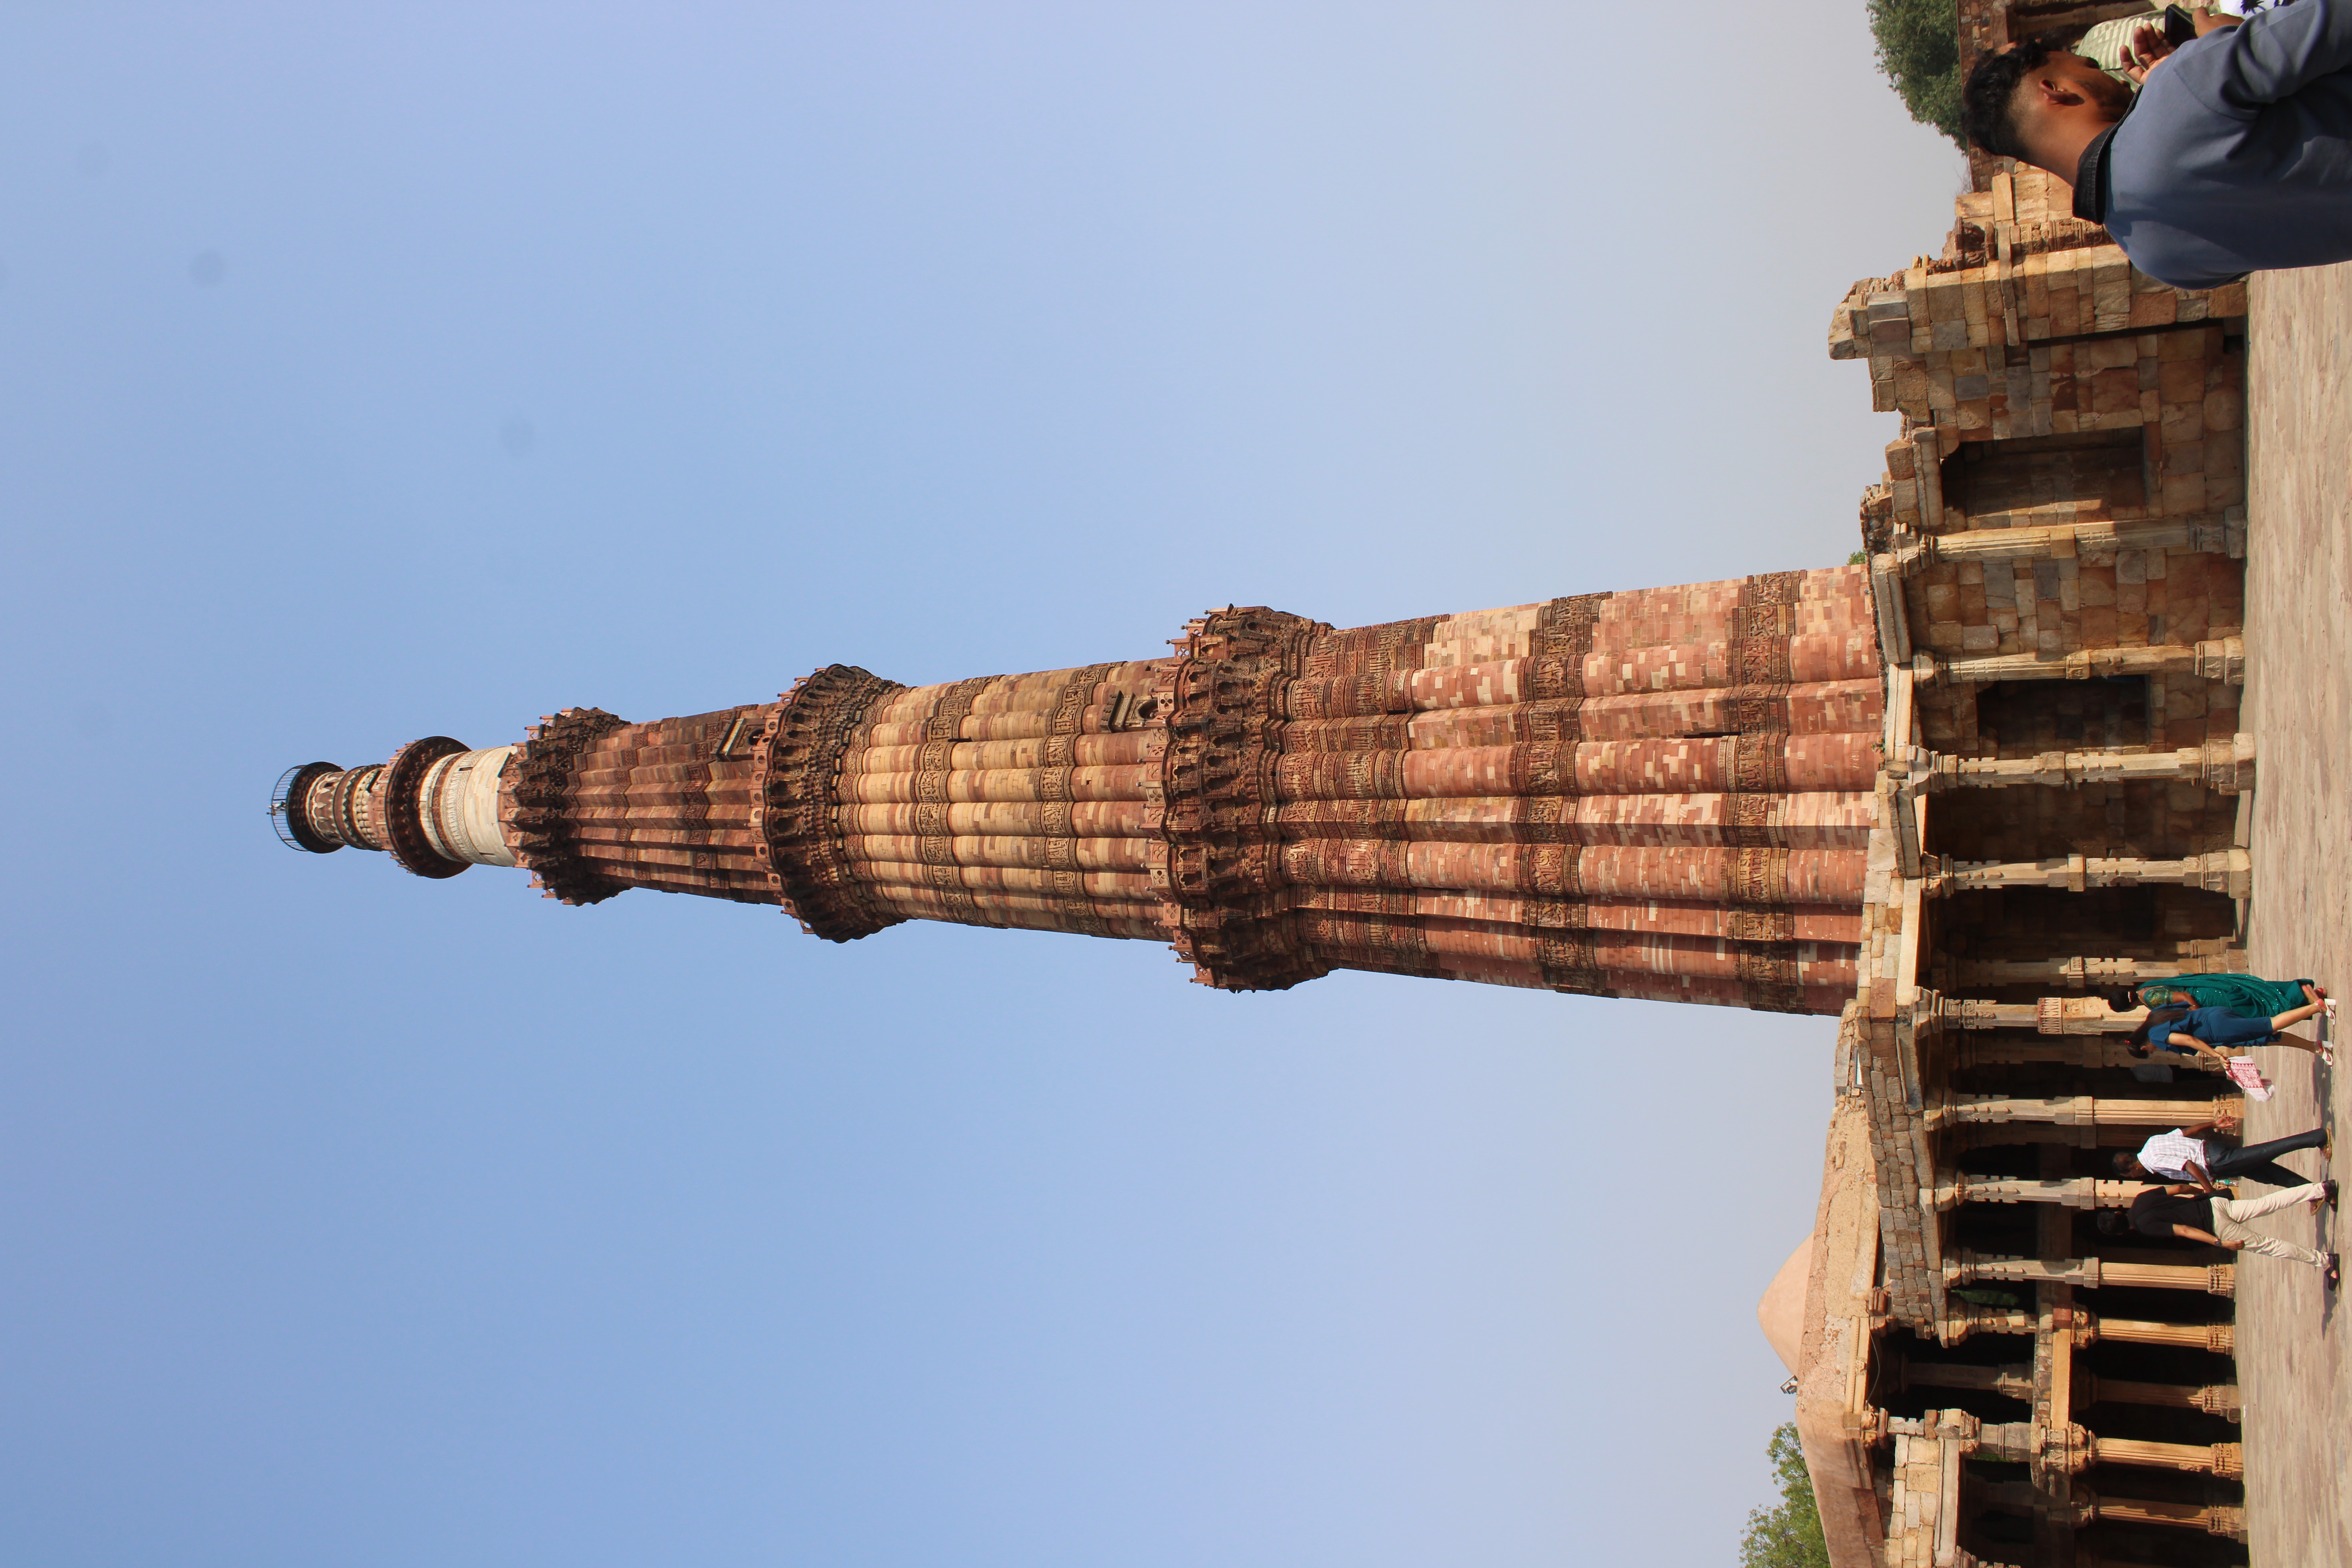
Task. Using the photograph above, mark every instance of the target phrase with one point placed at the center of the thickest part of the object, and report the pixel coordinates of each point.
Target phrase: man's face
(2108, 95)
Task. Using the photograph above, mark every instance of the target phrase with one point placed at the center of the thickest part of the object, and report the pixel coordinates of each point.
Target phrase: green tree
(1919, 50)
(1789, 1536)
(1859, 558)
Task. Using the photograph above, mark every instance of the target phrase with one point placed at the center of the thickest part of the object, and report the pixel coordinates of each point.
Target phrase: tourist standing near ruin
(2217, 1031)
(2247, 994)
(2177, 1214)
(2181, 1156)
(2236, 156)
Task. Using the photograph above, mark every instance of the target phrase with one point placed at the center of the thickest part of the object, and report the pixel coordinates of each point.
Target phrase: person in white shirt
(2183, 1155)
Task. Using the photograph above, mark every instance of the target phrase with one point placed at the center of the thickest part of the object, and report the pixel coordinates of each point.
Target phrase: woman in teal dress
(2242, 994)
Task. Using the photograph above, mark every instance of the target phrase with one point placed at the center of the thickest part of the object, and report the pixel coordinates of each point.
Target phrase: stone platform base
(2294, 1360)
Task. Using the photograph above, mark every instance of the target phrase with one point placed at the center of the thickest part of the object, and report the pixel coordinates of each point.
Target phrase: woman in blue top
(2221, 1032)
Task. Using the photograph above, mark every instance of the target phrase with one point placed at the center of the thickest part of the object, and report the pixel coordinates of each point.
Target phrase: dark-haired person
(2247, 994)
(2182, 1155)
(2236, 156)
(2176, 1213)
(2221, 1032)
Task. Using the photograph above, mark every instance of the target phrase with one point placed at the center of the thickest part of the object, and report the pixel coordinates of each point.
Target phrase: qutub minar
(1664, 793)
(1957, 799)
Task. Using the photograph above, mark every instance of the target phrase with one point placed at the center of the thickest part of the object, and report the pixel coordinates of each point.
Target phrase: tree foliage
(1919, 50)
(1787, 1536)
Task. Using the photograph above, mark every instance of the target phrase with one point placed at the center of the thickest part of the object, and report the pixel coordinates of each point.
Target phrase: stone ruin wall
(2056, 551)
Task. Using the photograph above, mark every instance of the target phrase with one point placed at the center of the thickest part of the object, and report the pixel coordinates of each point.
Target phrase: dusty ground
(2295, 1341)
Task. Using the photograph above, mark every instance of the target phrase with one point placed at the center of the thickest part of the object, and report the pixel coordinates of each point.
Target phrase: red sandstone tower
(1664, 793)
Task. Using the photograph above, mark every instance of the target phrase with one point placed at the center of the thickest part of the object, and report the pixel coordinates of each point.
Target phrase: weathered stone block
(2180, 381)
(2183, 494)
(2110, 353)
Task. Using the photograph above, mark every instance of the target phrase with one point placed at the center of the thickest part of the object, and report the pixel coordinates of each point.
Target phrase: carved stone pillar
(1966, 1318)
(2090, 1273)
(2224, 1460)
(2214, 1399)
(2214, 1520)
(1955, 1187)
(2221, 1338)
(2225, 766)
(2068, 1448)
(2050, 1016)
(1987, 1050)
(1970, 1266)
(2009, 1134)
(2229, 871)
(2082, 1015)
(2223, 660)
(2084, 973)
(2085, 1111)
(2012, 1382)
(2214, 1279)
(2065, 535)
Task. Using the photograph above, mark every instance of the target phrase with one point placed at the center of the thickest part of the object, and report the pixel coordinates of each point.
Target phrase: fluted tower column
(1663, 794)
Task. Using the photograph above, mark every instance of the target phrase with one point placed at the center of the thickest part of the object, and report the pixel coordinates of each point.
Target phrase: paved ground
(2296, 1343)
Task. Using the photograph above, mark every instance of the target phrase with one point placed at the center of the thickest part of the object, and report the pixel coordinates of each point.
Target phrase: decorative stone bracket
(797, 755)
(1218, 859)
(531, 804)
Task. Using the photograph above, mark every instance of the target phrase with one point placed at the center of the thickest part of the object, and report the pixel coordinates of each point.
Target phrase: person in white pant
(2186, 1214)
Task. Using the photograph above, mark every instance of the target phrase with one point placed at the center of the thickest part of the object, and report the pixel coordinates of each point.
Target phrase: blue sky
(375, 373)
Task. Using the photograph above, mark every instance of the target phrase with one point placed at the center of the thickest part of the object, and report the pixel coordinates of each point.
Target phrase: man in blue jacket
(2236, 156)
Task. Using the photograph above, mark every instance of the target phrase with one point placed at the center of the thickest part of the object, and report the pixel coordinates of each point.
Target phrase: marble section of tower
(1664, 793)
